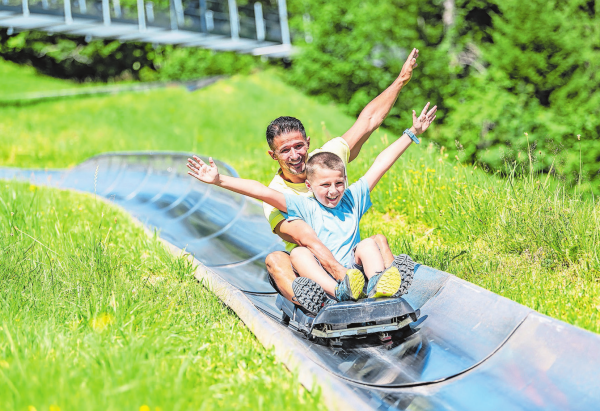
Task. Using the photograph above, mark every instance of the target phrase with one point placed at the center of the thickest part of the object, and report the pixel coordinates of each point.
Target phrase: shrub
(496, 69)
(67, 56)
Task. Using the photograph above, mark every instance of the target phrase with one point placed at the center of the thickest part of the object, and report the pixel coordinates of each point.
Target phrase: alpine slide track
(470, 350)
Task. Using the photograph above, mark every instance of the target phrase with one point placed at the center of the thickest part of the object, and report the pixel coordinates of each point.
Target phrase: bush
(496, 69)
(541, 79)
(354, 49)
(67, 56)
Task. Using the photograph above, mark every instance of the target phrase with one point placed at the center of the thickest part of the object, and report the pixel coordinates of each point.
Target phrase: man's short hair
(324, 160)
(283, 125)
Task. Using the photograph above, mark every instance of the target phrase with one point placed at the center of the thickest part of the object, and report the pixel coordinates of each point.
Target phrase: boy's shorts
(351, 265)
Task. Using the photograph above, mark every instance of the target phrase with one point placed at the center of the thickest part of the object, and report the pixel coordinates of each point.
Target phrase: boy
(334, 213)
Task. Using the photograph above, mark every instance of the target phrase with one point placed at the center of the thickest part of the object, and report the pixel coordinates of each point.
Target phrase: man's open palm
(409, 65)
(204, 172)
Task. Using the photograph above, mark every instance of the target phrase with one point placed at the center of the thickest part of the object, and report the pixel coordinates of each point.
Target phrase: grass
(16, 79)
(97, 315)
(521, 236)
(227, 120)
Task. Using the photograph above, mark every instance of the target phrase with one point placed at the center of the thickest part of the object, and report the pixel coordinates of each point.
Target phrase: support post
(150, 12)
(202, 10)
(82, 7)
(173, 16)
(44, 4)
(283, 21)
(68, 14)
(210, 21)
(117, 9)
(141, 15)
(179, 12)
(260, 22)
(234, 20)
(106, 12)
(25, 8)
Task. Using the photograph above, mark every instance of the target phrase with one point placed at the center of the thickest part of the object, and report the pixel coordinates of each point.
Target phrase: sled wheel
(317, 340)
(335, 342)
(321, 341)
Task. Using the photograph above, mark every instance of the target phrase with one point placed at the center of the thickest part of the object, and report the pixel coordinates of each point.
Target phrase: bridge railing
(218, 24)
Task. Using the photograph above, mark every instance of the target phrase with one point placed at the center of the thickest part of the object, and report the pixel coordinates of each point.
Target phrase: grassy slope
(519, 238)
(226, 120)
(95, 315)
(16, 79)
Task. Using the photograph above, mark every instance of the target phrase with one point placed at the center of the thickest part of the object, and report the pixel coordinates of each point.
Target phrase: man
(289, 147)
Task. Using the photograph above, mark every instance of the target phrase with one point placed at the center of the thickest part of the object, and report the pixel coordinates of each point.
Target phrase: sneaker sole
(406, 267)
(356, 284)
(309, 294)
(388, 284)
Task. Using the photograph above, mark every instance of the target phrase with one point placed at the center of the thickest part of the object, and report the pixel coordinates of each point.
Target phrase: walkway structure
(470, 350)
(213, 24)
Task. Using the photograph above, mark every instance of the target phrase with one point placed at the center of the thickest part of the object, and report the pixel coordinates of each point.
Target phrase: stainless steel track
(471, 350)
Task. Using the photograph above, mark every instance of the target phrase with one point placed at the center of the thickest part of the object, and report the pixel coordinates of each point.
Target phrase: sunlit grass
(97, 315)
(227, 120)
(17, 79)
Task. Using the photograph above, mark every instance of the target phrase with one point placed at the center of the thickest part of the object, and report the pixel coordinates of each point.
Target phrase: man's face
(291, 152)
(328, 186)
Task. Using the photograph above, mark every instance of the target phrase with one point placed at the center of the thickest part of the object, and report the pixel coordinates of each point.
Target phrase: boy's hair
(326, 160)
(283, 125)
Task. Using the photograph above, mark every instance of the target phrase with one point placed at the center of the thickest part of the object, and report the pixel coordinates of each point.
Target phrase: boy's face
(328, 186)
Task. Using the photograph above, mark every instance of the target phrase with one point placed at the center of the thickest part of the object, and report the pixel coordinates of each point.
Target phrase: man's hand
(409, 65)
(422, 123)
(208, 174)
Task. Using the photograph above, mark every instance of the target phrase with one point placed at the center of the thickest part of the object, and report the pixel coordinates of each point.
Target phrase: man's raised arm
(377, 110)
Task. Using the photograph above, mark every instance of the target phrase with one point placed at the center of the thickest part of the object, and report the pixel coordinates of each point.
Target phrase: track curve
(472, 349)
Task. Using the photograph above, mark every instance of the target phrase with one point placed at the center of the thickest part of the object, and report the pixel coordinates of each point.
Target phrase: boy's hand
(208, 174)
(421, 123)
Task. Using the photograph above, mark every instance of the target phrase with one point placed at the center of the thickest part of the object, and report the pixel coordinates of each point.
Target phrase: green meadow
(94, 313)
(97, 315)
(91, 302)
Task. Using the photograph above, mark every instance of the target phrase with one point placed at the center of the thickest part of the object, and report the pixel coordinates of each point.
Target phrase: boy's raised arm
(388, 157)
(209, 174)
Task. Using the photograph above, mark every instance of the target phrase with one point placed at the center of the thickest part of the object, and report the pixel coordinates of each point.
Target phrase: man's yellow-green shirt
(337, 146)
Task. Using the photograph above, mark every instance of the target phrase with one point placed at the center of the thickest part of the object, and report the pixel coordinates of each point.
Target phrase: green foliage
(541, 78)
(97, 315)
(357, 49)
(71, 57)
(181, 63)
(496, 69)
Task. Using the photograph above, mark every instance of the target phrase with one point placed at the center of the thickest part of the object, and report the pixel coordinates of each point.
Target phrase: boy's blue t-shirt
(337, 228)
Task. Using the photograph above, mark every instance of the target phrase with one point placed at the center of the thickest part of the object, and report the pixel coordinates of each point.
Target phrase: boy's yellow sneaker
(384, 284)
(351, 287)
